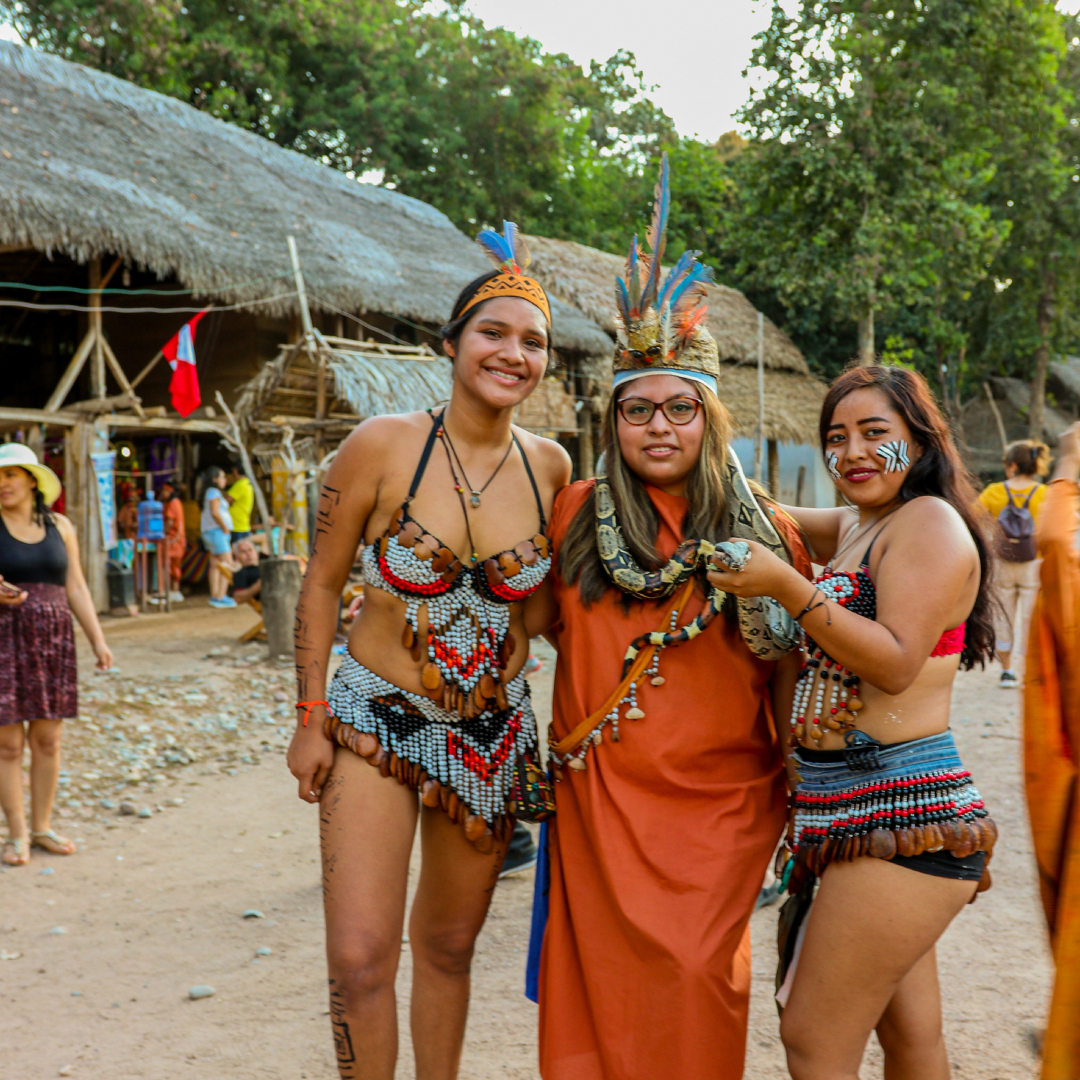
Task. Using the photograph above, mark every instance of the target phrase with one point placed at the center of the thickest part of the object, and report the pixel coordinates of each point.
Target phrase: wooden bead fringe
(432, 793)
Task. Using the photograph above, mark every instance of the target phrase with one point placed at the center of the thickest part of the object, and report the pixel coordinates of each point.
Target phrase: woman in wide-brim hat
(41, 584)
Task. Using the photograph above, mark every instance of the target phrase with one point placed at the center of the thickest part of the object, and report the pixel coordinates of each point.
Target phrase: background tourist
(1015, 505)
(216, 526)
(41, 584)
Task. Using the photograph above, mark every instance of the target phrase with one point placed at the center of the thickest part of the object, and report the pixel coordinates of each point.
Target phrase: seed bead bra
(468, 641)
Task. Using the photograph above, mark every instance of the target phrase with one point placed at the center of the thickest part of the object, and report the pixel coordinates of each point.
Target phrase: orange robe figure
(1051, 748)
(659, 847)
(174, 535)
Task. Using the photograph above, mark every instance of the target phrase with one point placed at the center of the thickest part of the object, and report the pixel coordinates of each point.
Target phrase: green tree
(861, 189)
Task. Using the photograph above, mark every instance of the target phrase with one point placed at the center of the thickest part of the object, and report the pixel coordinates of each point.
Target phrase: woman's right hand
(311, 756)
(11, 599)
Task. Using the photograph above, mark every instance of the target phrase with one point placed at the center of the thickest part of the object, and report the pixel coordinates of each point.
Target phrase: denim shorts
(216, 541)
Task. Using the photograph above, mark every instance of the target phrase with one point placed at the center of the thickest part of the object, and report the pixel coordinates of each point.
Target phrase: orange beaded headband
(506, 283)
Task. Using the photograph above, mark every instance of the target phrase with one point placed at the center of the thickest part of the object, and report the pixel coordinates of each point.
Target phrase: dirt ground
(98, 951)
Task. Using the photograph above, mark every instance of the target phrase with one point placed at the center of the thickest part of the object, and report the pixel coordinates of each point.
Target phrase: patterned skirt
(38, 679)
(466, 766)
(885, 801)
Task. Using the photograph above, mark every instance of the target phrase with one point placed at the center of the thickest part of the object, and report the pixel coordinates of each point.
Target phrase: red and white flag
(179, 350)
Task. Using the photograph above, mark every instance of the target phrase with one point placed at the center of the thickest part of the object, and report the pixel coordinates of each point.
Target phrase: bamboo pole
(237, 442)
(121, 378)
(146, 370)
(97, 367)
(759, 445)
(67, 380)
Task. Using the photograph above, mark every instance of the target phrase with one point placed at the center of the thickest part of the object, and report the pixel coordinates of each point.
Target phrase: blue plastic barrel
(151, 520)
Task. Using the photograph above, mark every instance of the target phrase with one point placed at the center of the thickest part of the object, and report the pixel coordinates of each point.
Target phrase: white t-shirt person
(208, 524)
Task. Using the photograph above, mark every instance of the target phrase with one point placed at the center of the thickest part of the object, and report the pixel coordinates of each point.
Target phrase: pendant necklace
(475, 495)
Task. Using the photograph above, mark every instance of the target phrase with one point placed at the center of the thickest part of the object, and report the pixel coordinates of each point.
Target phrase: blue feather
(622, 301)
(498, 247)
(682, 267)
(657, 234)
(698, 276)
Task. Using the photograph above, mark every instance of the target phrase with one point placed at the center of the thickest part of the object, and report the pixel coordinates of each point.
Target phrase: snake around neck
(768, 630)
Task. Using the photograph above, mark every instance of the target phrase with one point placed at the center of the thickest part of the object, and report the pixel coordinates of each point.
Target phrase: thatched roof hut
(585, 277)
(93, 165)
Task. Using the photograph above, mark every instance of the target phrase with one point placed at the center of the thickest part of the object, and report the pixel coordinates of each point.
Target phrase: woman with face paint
(887, 825)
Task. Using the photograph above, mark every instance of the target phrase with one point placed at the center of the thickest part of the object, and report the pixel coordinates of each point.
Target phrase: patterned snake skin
(768, 630)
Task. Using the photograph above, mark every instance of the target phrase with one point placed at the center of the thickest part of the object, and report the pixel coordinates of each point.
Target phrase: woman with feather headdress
(670, 789)
(452, 506)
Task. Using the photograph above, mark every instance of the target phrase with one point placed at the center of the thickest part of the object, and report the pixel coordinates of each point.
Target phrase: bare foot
(58, 845)
(16, 852)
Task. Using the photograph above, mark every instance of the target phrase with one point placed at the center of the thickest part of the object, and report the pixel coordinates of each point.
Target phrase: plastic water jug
(151, 520)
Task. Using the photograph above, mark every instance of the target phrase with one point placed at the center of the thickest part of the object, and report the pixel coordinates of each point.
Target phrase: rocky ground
(198, 866)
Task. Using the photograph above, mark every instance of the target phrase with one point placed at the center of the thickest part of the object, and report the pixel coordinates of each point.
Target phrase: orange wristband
(311, 705)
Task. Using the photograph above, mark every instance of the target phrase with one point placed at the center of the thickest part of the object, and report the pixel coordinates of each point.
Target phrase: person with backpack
(1015, 504)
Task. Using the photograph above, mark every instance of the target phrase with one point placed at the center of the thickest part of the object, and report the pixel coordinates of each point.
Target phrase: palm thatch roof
(585, 277)
(92, 165)
(364, 378)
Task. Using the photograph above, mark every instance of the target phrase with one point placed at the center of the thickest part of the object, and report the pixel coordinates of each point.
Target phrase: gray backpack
(1018, 529)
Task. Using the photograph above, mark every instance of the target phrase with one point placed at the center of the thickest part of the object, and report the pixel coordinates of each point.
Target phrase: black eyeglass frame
(662, 406)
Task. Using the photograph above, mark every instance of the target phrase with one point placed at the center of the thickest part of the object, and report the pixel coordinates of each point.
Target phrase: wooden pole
(238, 444)
(97, 369)
(759, 446)
(121, 378)
(301, 292)
(67, 380)
(800, 486)
(997, 417)
(774, 469)
(146, 370)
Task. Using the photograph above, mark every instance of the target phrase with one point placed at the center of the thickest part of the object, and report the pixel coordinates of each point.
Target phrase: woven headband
(505, 283)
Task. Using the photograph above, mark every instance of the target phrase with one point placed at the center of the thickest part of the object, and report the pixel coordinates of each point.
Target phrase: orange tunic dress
(659, 847)
(1052, 765)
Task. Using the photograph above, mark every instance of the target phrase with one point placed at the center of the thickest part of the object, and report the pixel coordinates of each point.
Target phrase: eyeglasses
(678, 410)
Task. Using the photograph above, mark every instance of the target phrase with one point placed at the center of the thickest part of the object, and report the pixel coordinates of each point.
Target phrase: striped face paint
(830, 462)
(895, 455)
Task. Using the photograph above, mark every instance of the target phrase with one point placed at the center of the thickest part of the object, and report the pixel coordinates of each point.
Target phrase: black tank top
(44, 563)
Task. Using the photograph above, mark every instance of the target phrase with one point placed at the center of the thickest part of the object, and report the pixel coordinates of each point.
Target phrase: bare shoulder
(548, 459)
(931, 521)
(64, 526)
(382, 435)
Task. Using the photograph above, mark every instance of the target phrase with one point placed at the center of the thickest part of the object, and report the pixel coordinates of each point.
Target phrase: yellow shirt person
(241, 496)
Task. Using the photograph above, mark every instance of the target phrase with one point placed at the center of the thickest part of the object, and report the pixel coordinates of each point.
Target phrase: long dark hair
(41, 514)
(706, 514)
(206, 481)
(939, 471)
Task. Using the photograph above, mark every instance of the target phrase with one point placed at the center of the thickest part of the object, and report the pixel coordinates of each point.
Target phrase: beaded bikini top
(827, 694)
(468, 634)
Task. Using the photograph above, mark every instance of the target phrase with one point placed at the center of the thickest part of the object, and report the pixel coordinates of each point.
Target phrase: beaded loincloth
(466, 766)
(881, 801)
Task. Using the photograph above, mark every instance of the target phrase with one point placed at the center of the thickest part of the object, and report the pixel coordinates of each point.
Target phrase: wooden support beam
(97, 368)
(121, 378)
(108, 276)
(67, 380)
(146, 370)
(10, 417)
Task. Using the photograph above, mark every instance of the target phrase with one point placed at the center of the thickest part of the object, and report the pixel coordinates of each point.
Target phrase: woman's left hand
(764, 574)
(104, 656)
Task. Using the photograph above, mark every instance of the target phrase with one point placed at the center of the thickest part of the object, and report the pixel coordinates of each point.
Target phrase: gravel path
(98, 952)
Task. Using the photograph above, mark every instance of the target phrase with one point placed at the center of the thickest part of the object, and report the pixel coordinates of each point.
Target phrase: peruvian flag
(179, 350)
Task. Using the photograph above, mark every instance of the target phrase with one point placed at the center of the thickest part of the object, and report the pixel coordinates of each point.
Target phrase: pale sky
(693, 51)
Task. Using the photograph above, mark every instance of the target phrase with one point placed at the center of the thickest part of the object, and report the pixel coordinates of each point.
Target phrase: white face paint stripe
(895, 455)
(831, 461)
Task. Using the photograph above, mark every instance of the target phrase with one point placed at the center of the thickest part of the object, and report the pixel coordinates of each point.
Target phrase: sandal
(16, 851)
(48, 840)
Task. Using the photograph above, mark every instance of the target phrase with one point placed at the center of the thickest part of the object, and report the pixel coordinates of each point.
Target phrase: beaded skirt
(466, 766)
(885, 800)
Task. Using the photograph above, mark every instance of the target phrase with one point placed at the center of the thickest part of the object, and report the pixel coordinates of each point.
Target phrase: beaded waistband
(879, 801)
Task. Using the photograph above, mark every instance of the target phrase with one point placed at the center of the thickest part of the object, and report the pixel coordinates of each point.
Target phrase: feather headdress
(661, 325)
(507, 250)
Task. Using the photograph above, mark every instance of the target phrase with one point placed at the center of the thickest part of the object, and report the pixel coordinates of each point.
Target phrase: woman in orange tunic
(661, 838)
(1052, 751)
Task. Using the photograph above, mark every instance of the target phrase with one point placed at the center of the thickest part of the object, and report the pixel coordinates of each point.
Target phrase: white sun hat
(16, 454)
